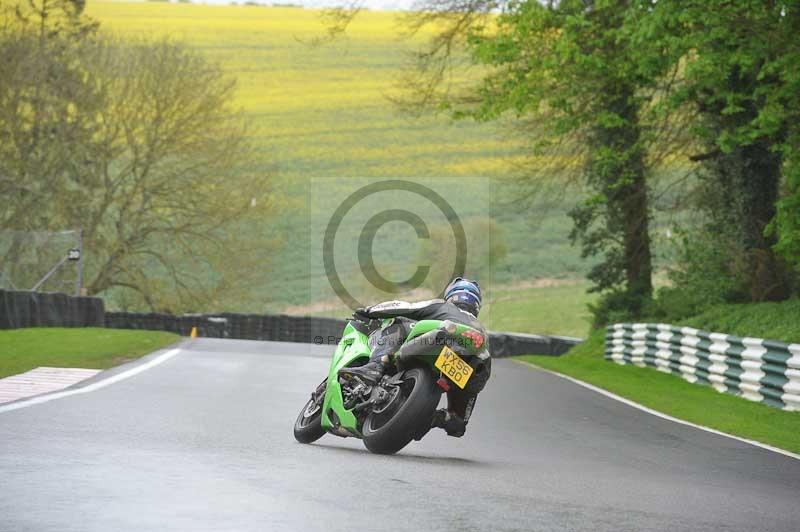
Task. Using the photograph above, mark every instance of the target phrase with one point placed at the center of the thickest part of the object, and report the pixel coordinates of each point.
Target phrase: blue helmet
(465, 294)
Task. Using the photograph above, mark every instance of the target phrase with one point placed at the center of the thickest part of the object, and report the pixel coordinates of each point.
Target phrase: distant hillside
(322, 111)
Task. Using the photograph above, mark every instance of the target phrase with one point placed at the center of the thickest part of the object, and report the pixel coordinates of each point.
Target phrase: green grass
(672, 395)
(552, 310)
(775, 321)
(559, 310)
(24, 349)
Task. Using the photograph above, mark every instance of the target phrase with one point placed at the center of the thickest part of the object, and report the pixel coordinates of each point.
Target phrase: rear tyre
(308, 426)
(388, 432)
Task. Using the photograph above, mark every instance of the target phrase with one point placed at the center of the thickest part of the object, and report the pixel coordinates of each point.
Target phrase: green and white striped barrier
(766, 371)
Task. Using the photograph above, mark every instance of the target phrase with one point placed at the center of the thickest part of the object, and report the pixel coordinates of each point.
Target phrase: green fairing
(354, 345)
(421, 327)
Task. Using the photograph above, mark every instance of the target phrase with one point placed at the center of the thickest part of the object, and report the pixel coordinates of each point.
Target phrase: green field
(321, 112)
(552, 307)
(90, 348)
(321, 115)
(558, 309)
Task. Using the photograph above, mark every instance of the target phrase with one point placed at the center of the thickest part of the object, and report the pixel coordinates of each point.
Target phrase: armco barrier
(36, 309)
(766, 371)
(502, 344)
(308, 329)
(280, 328)
(22, 308)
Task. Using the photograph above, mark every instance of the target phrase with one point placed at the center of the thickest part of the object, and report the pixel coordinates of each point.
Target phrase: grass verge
(559, 309)
(24, 349)
(775, 321)
(673, 396)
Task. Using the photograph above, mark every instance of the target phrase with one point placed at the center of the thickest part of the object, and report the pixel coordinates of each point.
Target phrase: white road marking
(91, 387)
(656, 413)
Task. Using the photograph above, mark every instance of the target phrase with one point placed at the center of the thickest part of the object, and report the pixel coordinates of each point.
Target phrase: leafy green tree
(739, 73)
(569, 66)
(782, 109)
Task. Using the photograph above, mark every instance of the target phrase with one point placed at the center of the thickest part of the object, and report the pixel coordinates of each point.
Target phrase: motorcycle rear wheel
(387, 436)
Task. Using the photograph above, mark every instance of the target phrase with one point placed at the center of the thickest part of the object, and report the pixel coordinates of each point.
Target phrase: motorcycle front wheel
(388, 430)
(308, 426)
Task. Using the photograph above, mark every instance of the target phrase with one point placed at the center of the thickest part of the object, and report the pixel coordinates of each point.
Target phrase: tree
(137, 143)
(169, 152)
(568, 65)
(39, 123)
(782, 109)
(737, 68)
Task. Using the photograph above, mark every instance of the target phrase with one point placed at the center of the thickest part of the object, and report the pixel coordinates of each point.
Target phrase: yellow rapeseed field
(320, 110)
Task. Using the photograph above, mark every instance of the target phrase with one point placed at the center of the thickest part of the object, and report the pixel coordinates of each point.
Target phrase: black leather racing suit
(391, 337)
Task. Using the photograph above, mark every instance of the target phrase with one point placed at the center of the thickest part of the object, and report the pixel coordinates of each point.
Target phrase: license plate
(452, 365)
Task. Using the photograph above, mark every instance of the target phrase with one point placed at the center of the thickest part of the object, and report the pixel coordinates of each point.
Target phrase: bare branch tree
(138, 143)
(169, 155)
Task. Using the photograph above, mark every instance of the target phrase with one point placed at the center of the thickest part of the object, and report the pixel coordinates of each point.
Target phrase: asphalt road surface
(204, 442)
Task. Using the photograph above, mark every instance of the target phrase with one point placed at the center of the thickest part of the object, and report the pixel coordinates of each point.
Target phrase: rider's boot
(370, 373)
(453, 424)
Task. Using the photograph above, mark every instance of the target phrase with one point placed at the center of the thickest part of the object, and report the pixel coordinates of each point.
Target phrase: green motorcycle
(436, 357)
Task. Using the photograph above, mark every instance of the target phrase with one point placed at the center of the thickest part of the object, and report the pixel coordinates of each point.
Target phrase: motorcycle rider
(461, 304)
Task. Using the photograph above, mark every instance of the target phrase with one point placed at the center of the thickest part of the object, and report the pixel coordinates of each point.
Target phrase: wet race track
(203, 441)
